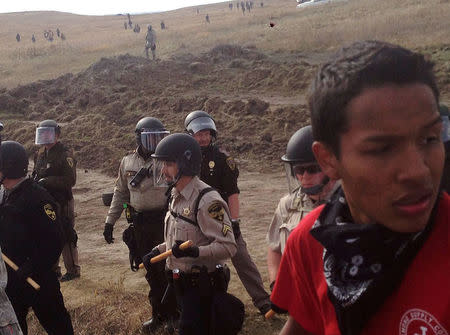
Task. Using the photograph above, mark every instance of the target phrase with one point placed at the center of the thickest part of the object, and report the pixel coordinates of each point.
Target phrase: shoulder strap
(197, 202)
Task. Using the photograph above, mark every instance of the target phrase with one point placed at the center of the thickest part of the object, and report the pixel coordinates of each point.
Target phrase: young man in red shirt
(375, 259)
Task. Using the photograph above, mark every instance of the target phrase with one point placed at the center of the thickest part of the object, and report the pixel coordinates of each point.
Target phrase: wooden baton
(15, 268)
(168, 253)
(269, 314)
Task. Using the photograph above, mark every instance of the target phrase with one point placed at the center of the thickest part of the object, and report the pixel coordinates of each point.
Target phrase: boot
(152, 325)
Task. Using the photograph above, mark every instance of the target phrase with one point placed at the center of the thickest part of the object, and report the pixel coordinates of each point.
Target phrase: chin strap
(316, 189)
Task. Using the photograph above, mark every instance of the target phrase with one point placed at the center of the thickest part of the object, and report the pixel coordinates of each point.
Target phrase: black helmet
(13, 160)
(199, 120)
(299, 152)
(299, 147)
(183, 150)
(155, 131)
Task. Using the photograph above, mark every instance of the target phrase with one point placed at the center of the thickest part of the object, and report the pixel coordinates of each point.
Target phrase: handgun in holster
(221, 278)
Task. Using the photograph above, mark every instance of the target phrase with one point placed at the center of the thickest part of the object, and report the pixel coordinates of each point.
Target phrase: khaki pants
(249, 275)
(70, 249)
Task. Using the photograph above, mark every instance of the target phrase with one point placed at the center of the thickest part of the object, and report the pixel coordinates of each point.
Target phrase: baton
(168, 253)
(269, 314)
(15, 268)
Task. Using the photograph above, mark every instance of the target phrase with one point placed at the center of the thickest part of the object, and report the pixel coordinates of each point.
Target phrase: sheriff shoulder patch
(70, 161)
(48, 209)
(216, 211)
(231, 163)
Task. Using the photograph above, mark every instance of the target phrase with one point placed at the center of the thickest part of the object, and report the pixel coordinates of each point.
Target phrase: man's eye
(432, 139)
(379, 150)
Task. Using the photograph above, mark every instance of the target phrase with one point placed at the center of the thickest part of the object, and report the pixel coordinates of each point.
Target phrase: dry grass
(412, 23)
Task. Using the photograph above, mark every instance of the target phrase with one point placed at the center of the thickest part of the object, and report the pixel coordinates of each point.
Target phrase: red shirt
(420, 306)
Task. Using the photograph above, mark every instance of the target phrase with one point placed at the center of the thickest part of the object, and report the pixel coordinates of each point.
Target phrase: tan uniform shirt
(144, 197)
(213, 235)
(290, 210)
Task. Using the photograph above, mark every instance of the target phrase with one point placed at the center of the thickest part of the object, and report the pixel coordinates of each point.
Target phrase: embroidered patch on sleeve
(48, 209)
(225, 229)
(70, 161)
(231, 163)
(216, 211)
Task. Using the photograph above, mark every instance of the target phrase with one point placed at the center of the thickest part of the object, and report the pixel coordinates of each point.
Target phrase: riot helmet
(149, 131)
(299, 158)
(47, 132)
(181, 149)
(13, 160)
(199, 120)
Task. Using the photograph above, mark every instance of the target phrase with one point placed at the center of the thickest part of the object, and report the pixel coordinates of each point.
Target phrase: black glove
(188, 252)
(25, 270)
(146, 259)
(108, 233)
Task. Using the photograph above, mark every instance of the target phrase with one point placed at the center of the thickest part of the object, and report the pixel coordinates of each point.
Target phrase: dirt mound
(257, 100)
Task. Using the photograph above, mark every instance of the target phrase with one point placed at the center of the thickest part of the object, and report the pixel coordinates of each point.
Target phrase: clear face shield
(292, 181)
(151, 138)
(45, 135)
(164, 175)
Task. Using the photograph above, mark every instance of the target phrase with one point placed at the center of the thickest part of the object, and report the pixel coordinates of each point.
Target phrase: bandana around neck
(363, 263)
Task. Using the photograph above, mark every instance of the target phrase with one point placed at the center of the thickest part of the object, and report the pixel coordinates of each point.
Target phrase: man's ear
(326, 159)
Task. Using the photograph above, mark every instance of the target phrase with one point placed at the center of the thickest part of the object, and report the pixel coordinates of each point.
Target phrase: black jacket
(55, 170)
(219, 171)
(30, 231)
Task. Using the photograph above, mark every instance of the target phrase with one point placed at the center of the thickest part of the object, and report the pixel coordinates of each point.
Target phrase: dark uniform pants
(47, 304)
(149, 232)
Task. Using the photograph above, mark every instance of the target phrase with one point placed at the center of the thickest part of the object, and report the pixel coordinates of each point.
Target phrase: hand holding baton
(168, 253)
(15, 268)
(269, 314)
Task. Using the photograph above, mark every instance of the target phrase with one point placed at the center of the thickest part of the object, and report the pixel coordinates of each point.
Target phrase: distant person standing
(207, 18)
(150, 42)
(243, 7)
(163, 25)
(18, 37)
(33, 39)
(58, 32)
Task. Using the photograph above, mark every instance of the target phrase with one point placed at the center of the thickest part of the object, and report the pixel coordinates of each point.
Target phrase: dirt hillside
(256, 98)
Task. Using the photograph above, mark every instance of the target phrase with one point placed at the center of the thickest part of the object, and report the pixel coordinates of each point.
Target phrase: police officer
(220, 171)
(30, 235)
(309, 187)
(147, 204)
(198, 213)
(150, 42)
(55, 170)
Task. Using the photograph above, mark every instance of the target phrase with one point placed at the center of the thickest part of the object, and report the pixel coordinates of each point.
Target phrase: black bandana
(363, 263)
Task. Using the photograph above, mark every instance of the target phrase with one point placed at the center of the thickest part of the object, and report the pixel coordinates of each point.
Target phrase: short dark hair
(354, 68)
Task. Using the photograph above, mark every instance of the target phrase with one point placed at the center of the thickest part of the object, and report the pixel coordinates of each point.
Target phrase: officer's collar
(188, 190)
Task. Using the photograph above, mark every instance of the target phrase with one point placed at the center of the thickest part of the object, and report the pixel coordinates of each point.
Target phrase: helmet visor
(150, 139)
(45, 135)
(201, 123)
(159, 179)
(293, 182)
